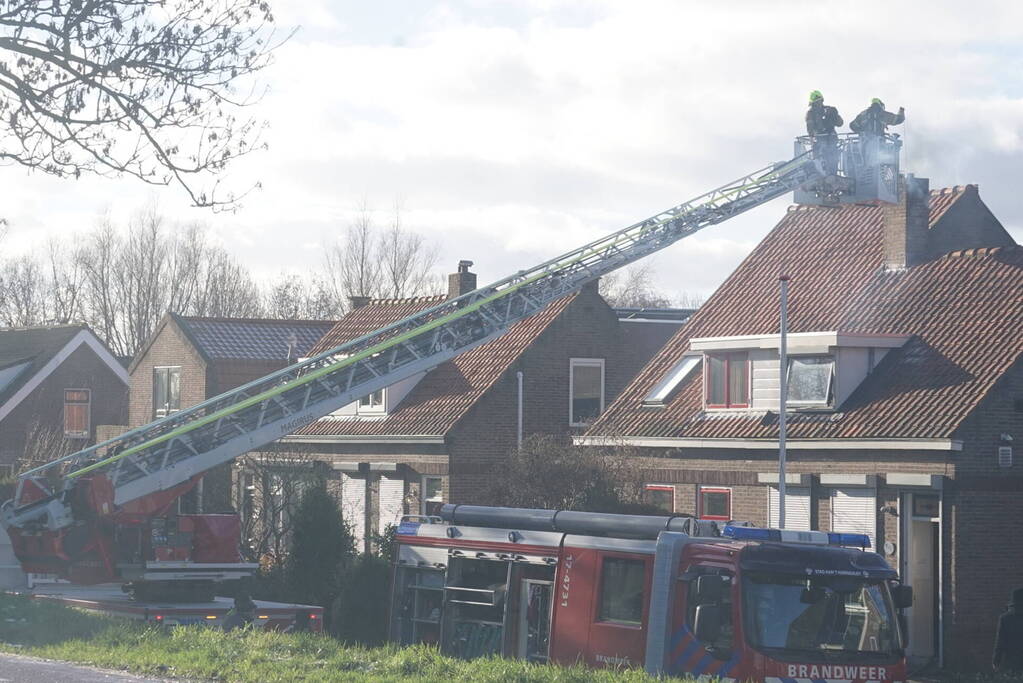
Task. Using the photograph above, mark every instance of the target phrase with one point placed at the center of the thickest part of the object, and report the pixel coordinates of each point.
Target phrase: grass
(56, 632)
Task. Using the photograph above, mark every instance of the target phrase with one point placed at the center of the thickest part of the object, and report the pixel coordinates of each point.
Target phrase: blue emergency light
(750, 533)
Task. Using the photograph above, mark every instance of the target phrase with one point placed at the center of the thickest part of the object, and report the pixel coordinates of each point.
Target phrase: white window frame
(423, 500)
(573, 363)
(372, 408)
(662, 487)
(658, 396)
(714, 489)
(830, 394)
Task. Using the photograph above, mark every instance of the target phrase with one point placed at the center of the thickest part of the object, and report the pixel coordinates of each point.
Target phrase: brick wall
(170, 348)
(83, 369)
(587, 328)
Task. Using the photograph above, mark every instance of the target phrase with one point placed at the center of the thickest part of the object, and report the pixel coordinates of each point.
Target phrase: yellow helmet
(876, 100)
(815, 95)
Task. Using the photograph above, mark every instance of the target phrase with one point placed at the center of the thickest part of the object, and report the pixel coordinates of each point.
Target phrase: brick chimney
(461, 282)
(906, 225)
(357, 301)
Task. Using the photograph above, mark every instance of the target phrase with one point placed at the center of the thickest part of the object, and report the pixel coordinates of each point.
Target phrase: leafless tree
(549, 472)
(286, 298)
(406, 260)
(354, 261)
(633, 287)
(270, 483)
(66, 282)
(145, 88)
(22, 292)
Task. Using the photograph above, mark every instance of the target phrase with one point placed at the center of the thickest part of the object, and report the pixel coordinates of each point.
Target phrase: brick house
(436, 436)
(57, 384)
(189, 359)
(905, 382)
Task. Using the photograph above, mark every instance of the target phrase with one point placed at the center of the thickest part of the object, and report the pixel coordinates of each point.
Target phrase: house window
(372, 403)
(811, 379)
(433, 495)
(661, 496)
(727, 380)
(586, 390)
(76, 413)
(166, 391)
(621, 591)
(715, 503)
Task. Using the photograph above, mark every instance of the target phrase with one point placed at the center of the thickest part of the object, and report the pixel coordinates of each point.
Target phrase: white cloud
(516, 131)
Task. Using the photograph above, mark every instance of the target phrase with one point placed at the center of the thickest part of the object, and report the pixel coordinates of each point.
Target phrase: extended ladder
(172, 450)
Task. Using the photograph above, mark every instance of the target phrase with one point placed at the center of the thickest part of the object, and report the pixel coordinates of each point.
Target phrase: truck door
(704, 623)
(619, 612)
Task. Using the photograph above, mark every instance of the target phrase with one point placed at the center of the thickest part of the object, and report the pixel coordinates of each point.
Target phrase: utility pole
(783, 395)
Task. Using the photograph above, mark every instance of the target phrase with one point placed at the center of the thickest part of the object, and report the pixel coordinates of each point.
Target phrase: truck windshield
(824, 615)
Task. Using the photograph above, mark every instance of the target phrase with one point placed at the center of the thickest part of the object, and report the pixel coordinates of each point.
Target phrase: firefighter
(243, 613)
(874, 120)
(1008, 656)
(821, 122)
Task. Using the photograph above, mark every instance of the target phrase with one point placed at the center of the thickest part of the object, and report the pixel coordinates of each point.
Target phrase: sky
(510, 132)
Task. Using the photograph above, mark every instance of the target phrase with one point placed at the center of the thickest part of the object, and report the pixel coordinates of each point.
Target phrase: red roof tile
(445, 393)
(964, 312)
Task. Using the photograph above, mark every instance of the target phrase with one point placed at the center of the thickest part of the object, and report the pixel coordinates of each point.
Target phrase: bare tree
(548, 472)
(146, 88)
(22, 292)
(66, 282)
(632, 287)
(406, 260)
(286, 298)
(354, 262)
(270, 483)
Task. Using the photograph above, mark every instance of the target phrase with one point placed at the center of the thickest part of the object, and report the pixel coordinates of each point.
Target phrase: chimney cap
(464, 265)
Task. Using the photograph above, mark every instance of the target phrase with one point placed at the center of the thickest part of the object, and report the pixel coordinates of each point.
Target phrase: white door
(392, 503)
(353, 507)
(797, 508)
(920, 542)
(854, 511)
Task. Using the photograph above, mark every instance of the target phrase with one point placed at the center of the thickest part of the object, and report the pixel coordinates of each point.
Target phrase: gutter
(363, 438)
(772, 444)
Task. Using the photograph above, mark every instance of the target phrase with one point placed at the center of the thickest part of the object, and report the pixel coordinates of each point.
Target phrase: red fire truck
(673, 594)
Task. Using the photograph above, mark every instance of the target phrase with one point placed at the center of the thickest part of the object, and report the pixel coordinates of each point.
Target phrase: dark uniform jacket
(1008, 654)
(822, 120)
(875, 121)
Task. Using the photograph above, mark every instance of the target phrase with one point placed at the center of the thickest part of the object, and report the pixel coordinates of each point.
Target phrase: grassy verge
(55, 632)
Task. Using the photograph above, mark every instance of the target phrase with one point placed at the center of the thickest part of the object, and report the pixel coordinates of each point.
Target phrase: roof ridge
(43, 326)
(985, 251)
(406, 300)
(954, 189)
(273, 321)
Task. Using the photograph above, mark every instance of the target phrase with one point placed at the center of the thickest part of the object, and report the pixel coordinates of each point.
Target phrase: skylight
(663, 389)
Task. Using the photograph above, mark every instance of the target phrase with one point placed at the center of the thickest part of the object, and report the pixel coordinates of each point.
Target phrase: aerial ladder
(102, 514)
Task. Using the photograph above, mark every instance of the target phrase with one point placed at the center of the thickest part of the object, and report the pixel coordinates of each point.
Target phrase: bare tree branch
(145, 88)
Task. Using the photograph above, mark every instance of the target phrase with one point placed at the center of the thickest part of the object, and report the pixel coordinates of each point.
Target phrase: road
(15, 668)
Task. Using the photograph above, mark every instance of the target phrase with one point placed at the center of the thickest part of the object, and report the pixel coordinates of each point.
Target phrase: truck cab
(670, 594)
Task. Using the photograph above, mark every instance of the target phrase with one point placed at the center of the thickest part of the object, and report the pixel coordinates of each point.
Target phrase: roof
(962, 311)
(32, 345)
(252, 338)
(39, 350)
(674, 315)
(375, 314)
(446, 393)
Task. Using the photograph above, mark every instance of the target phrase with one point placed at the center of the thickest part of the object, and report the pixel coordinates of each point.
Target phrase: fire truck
(672, 594)
(107, 513)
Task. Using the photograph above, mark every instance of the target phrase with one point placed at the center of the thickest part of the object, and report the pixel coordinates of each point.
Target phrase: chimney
(906, 224)
(357, 301)
(461, 282)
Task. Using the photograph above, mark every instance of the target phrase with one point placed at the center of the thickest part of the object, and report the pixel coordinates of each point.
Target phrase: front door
(920, 570)
(535, 620)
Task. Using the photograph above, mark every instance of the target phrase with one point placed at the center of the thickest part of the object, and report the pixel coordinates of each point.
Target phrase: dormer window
(811, 380)
(372, 403)
(727, 380)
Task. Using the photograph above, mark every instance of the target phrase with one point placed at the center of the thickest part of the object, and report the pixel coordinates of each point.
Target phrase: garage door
(797, 508)
(392, 502)
(854, 511)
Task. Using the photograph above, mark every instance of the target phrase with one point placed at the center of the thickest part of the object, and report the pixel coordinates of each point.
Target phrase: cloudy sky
(511, 131)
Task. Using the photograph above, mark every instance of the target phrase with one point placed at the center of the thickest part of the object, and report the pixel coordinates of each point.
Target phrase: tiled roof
(252, 338)
(447, 392)
(964, 312)
(374, 315)
(32, 345)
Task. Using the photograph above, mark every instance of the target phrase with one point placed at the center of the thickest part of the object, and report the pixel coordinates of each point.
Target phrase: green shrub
(321, 543)
(359, 613)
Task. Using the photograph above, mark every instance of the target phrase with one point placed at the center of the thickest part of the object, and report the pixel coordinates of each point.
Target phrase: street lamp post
(783, 395)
